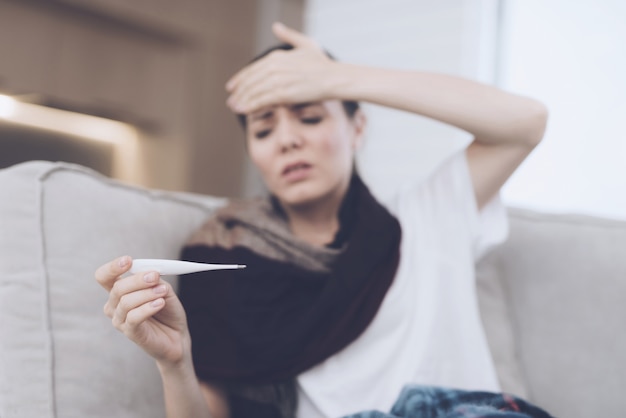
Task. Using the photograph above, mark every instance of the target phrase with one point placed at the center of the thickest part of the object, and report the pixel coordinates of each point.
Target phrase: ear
(359, 122)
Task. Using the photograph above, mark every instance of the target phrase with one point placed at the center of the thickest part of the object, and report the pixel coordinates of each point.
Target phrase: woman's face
(304, 151)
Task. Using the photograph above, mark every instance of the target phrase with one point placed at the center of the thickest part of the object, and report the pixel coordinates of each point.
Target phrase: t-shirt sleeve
(446, 196)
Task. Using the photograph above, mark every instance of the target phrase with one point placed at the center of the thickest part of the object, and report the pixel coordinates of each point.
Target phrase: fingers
(281, 77)
(285, 34)
(108, 273)
(238, 85)
(292, 36)
(134, 308)
(137, 316)
(260, 97)
(255, 67)
(136, 298)
(249, 87)
(130, 284)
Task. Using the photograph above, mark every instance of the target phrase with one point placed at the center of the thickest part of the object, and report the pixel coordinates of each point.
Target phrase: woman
(345, 300)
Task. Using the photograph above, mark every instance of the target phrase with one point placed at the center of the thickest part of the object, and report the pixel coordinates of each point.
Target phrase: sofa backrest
(59, 355)
(563, 280)
(551, 298)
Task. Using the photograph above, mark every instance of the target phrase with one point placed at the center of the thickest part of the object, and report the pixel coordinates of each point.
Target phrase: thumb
(292, 36)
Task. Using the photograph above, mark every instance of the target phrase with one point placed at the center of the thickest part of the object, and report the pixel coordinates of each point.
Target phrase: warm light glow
(128, 164)
(71, 123)
(7, 106)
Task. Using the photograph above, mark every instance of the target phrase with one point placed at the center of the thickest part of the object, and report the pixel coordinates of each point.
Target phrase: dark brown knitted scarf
(295, 304)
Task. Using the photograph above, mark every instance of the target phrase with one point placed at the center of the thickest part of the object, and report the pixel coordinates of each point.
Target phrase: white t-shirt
(428, 329)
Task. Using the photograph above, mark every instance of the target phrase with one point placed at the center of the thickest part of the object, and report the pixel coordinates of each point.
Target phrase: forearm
(491, 115)
(184, 396)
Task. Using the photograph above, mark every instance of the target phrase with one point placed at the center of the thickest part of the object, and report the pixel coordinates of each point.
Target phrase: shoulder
(443, 205)
(447, 184)
(215, 230)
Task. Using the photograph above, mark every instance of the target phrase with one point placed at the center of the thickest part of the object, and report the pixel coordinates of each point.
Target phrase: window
(570, 55)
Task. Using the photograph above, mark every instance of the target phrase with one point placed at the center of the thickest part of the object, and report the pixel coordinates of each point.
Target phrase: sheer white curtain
(567, 53)
(571, 55)
(450, 36)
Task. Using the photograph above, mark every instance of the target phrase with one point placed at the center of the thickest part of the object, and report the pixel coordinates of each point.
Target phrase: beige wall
(158, 64)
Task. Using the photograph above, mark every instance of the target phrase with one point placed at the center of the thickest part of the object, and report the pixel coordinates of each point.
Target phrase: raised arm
(506, 127)
(146, 309)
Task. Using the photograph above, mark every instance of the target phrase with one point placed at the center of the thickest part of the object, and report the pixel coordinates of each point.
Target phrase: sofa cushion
(59, 355)
(565, 282)
(497, 319)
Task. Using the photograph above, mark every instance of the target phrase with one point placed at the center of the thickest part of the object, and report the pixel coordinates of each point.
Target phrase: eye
(262, 134)
(311, 120)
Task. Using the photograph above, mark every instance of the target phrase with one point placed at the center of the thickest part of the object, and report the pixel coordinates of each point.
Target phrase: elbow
(535, 123)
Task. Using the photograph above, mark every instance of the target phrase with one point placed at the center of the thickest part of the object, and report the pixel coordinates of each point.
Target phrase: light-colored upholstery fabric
(551, 298)
(59, 354)
(564, 281)
(498, 322)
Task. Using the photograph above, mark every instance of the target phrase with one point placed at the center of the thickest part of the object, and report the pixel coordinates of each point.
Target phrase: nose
(288, 135)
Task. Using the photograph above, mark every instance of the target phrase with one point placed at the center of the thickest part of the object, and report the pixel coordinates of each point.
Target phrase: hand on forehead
(296, 76)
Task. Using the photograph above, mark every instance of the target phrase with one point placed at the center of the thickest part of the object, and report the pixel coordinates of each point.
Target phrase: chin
(300, 200)
(301, 195)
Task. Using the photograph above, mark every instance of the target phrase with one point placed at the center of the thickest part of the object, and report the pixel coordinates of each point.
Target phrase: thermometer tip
(241, 266)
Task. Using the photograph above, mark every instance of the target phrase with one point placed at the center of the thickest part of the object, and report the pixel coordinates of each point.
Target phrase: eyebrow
(300, 106)
(294, 108)
(261, 116)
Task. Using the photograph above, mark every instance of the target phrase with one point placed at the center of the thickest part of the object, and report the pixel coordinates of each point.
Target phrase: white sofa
(552, 298)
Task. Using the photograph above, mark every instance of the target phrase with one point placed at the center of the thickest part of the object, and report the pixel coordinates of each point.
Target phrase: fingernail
(157, 302)
(123, 262)
(150, 278)
(160, 289)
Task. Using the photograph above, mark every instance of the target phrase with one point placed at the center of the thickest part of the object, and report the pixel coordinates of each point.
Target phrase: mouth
(296, 169)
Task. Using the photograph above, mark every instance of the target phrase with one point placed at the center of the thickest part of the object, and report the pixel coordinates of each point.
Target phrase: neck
(317, 222)
(316, 226)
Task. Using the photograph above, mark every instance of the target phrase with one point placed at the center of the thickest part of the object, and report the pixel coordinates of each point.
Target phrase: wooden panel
(20, 144)
(25, 49)
(118, 71)
(185, 19)
(157, 61)
(87, 63)
(219, 148)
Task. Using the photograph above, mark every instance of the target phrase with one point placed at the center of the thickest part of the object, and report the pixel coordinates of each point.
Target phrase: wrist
(340, 82)
(180, 362)
(182, 367)
(357, 82)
